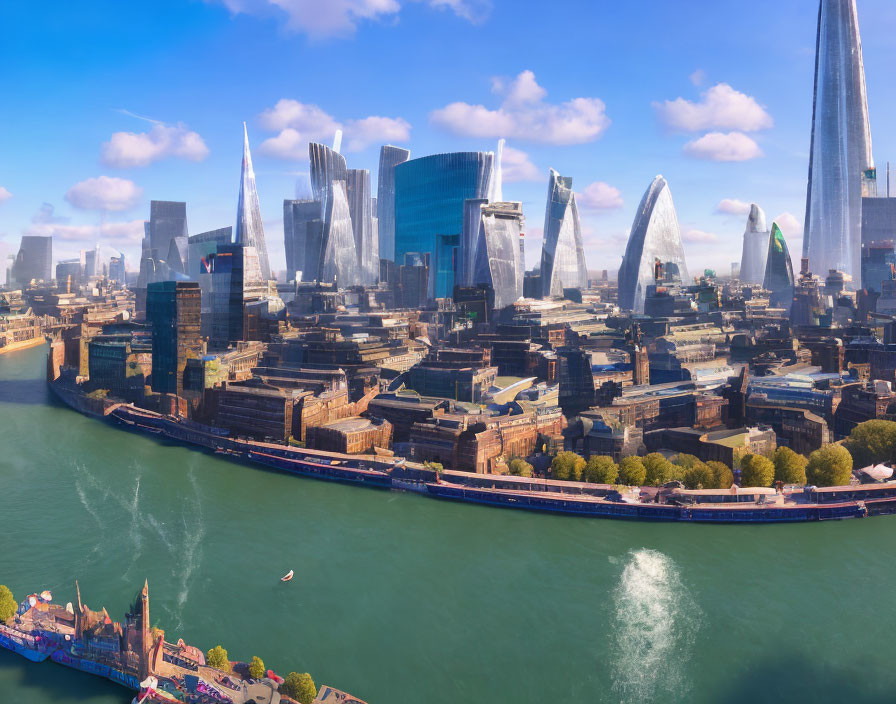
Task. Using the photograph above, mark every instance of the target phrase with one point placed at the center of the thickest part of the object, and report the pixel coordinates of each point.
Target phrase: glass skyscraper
(755, 248)
(390, 157)
(841, 167)
(360, 208)
(562, 253)
(429, 208)
(499, 262)
(249, 228)
(302, 238)
(778, 270)
(34, 260)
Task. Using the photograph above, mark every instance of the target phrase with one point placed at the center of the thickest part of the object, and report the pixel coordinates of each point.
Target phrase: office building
(390, 157)
(249, 230)
(118, 269)
(778, 270)
(498, 262)
(34, 261)
(234, 279)
(562, 253)
(755, 247)
(302, 238)
(167, 220)
(173, 311)
(360, 207)
(203, 245)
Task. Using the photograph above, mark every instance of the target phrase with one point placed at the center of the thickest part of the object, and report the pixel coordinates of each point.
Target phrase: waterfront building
(562, 253)
(249, 229)
(34, 261)
(200, 247)
(173, 311)
(841, 165)
(498, 260)
(302, 236)
(390, 157)
(654, 254)
(429, 208)
(456, 381)
(364, 225)
(755, 248)
(778, 270)
(351, 435)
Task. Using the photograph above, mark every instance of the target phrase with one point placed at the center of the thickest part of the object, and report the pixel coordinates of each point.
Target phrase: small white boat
(288, 576)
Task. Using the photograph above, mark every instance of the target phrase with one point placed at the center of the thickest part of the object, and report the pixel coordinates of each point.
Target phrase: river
(401, 599)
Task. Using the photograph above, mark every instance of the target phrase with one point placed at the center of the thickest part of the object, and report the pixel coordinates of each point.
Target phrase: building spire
(249, 228)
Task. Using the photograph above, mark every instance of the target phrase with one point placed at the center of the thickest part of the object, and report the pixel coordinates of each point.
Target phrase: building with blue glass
(429, 208)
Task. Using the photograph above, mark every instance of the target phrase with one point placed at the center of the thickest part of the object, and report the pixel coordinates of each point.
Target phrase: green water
(405, 600)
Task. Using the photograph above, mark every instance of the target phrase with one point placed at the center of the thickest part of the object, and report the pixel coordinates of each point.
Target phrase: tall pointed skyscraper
(249, 229)
(841, 168)
(755, 249)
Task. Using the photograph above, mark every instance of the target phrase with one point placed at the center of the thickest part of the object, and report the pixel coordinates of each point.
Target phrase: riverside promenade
(135, 655)
(735, 505)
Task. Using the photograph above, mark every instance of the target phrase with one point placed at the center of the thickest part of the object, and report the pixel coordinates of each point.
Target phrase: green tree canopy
(299, 686)
(724, 477)
(567, 466)
(830, 465)
(756, 470)
(686, 461)
(8, 605)
(659, 470)
(872, 442)
(520, 468)
(256, 668)
(600, 469)
(632, 471)
(217, 658)
(699, 476)
(790, 467)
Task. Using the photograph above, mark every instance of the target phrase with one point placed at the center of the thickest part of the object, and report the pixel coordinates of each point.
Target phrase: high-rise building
(201, 246)
(234, 279)
(778, 270)
(360, 208)
(249, 230)
(755, 248)
(429, 208)
(302, 239)
(469, 239)
(654, 248)
(118, 269)
(339, 261)
(34, 261)
(69, 271)
(499, 262)
(414, 279)
(390, 157)
(167, 220)
(173, 311)
(878, 264)
(841, 166)
(327, 168)
(562, 253)
(91, 262)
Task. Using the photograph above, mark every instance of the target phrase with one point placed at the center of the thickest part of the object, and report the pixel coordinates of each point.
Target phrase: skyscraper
(469, 239)
(655, 239)
(249, 228)
(302, 239)
(201, 246)
(361, 210)
(841, 167)
(778, 270)
(755, 248)
(118, 269)
(562, 253)
(499, 261)
(173, 310)
(339, 261)
(34, 261)
(429, 208)
(390, 157)
(235, 278)
(167, 220)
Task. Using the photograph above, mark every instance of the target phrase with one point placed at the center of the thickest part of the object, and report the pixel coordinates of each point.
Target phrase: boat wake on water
(655, 623)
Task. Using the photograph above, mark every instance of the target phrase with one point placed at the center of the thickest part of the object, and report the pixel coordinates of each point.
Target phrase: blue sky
(107, 105)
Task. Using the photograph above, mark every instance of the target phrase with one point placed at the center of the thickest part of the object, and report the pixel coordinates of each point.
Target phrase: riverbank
(23, 345)
(521, 493)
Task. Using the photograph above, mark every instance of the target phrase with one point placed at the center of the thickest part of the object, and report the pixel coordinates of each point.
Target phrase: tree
(872, 442)
(686, 461)
(632, 471)
(567, 466)
(722, 473)
(520, 468)
(217, 658)
(8, 604)
(699, 476)
(600, 469)
(790, 467)
(659, 469)
(256, 668)
(830, 465)
(756, 470)
(299, 687)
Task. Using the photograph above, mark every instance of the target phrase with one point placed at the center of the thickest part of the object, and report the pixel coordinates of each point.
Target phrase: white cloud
(340, 18)
(300, 123)
(600, 196)
(104, 193)
(121, 233)
(720, 107)
(128, 149)
(718, 146)
(523, 114)
(732, 206)
(790, 226)
(698, 77)
(516, 166)
(4, 195)
(699, 236)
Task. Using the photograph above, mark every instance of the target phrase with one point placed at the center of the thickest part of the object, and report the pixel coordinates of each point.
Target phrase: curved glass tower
(249, 228)
(360, 207)
(841, 168)
(755, 250)
(429, 208)
(499, 261)
(655, 238)
(778, 270)
(562, 253)
(390, 157)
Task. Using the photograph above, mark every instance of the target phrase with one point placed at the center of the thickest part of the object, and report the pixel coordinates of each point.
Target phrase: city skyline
(113, 161)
